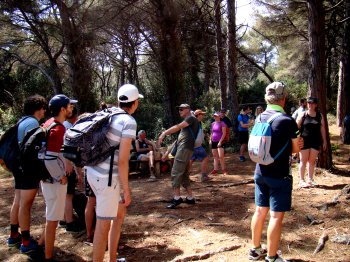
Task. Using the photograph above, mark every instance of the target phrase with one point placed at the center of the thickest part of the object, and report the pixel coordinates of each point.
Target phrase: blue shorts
(273, 193)
(199, 154)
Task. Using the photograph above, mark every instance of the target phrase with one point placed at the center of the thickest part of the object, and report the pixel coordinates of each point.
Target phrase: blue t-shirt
(284, 128)
(26, 125)
(245, 120)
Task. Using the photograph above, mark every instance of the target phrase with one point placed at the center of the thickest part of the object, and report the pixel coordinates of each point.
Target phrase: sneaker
(256, 254)
(312, 183)
(277, 259)
(303, 184)
(242, 158)
(122, 259)
(32, 247)
(205, 178)
(14, 241)
(62, 223)
(224, 172)
(152, 179)
(214, 172)
(175, 203)
(190, 201)
(74, 227)
(89, 241)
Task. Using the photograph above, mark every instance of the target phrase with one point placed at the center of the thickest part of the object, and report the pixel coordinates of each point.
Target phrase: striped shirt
(122, 126)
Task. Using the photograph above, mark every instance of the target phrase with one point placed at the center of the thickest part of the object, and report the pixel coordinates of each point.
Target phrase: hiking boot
(242, 158)
(205, 178)
(32, 247)
(175, 203)
(190, 201)
(256, 254)
(276, 259)
(14, 241)
(74, 227)
(62, 223)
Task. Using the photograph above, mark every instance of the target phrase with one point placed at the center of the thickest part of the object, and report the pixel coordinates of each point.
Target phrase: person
(90, 214)
(312, 129)
(26, 185)
(273, 183)
(55, 189)
(185, 146)
(121, 132)
(199, 152)
(227, 121)
(243, 126)
(145, 152)
(258, 111)
(217, 136)
(301, 109)
(69, 223)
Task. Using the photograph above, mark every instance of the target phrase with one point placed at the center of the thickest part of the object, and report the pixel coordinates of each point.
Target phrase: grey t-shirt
(186, 138)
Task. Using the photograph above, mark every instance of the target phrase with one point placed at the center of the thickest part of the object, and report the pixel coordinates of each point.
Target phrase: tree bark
(232, 102)
(220, 49)
(346, 58)
(317, 75)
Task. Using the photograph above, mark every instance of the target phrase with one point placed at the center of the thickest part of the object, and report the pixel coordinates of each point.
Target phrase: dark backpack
(9, 148)
(32, 146)
(86, 142)
(346, 130)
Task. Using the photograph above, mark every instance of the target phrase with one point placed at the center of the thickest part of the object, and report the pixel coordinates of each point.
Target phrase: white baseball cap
(128, 93)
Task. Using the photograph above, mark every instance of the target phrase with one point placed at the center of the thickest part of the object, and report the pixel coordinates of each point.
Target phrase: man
(55, 189)
(199, 152)
(301, 109)
(185, 145)
(26, 185)
(145, 152)
(243, 136)
(121, 133)
(224, 118)
(273, 183)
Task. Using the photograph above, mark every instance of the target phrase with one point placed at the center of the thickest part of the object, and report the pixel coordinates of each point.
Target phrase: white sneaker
(277, 259)
(152, 179)
(303, 184)
(312, 182)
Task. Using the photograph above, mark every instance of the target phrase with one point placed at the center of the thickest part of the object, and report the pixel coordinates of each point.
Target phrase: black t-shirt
(284, 128)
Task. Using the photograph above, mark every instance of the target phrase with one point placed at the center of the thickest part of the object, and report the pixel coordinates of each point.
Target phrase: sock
(25, 237)
(189, 198)
(177, 197)
(271, 259)
(14, 231)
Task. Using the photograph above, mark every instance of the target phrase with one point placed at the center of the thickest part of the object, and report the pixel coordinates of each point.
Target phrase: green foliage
(7, 119)
(252, 93)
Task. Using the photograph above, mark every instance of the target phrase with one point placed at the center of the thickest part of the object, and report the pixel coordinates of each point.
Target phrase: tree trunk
(233, 105)
(317, 76)
(346, 58)
(341, 97)
(80, 73)
(167, 17)
(220, 49)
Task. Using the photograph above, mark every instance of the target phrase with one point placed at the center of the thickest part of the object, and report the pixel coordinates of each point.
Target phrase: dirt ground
(217, 228)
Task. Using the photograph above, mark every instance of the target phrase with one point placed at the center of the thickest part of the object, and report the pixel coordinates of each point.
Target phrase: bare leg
(68, 211)
(242, 149)
(304, 158)
(216, 158)
(89, 216)
(312, 162)
(221, 152)
(274, 230)
(50, 235)
(114, 233)
(100, 239)
(257, 225)
(27, 199)
(15, 208)
(204, 165)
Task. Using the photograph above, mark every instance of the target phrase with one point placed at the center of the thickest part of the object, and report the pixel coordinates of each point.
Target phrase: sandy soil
(217, 228)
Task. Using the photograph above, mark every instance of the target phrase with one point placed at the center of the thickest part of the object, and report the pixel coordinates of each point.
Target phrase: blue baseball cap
(61, 100)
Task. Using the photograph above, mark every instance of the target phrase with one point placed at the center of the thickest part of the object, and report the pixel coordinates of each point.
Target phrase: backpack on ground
(260, 141)
(9, 148)
(33, 150)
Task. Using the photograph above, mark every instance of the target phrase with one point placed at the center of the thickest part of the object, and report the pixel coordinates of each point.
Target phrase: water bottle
(42, 151)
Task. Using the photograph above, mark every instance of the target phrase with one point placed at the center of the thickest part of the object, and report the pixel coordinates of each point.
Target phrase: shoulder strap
(273, 117)
(24, 118)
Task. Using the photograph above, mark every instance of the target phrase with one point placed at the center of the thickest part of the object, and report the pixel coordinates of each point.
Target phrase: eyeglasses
(182, 109)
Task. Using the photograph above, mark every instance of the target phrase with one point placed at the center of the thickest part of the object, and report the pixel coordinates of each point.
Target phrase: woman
(217, 136)
(258, 111)
(312, 129)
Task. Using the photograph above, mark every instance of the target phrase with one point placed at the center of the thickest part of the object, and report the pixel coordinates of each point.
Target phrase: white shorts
(107, 197)
(55, 200)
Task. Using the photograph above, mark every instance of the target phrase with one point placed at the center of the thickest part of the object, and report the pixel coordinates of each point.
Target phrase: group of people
(273, 183)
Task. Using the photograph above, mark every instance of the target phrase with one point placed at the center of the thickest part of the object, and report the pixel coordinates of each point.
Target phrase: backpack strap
(270, 120)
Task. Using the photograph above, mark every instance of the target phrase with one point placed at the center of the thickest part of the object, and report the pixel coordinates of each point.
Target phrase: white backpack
(260, 141)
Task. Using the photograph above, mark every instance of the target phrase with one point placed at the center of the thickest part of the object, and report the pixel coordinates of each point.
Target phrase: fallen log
(313, 220)
(341, 239)
(321, 242)
(201, 256)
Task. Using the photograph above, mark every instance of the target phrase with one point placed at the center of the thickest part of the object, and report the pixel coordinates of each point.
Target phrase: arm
(300, 119)
(167, 152)
(297, 144)
(123, 167)
(223, 130)
(172, 130)
(142, 150)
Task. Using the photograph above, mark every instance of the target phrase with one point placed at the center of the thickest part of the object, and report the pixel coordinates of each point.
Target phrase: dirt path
(217, 228)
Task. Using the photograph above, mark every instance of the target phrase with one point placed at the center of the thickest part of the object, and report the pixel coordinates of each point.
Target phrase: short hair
(34, 103)
(302, 101)
(244, 108)
(103, 106)
(56, 110)
(127, 104)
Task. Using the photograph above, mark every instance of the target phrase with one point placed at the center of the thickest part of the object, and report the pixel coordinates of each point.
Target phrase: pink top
(216, 130)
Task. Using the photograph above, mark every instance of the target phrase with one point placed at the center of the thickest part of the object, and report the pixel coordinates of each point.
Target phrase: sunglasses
(182, 109)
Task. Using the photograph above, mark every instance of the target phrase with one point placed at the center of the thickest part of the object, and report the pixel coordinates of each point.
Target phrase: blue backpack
(260, 141)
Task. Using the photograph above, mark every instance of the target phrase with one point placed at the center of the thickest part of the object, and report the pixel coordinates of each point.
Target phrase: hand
(69, 168)
(324, 146)
(63, 180)
(301, 142)
(219, 144)
(127, 197)
(160, 139)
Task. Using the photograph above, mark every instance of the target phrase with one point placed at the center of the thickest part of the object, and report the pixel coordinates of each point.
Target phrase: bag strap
(273, 117)
(280, 152)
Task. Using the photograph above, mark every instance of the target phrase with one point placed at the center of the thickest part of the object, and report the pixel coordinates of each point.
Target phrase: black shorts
(214, 145)
(243, 137)
(27, 180)
(88, 190)
(72, 181)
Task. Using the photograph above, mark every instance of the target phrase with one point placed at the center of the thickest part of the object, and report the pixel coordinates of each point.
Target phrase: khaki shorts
(55, 200)
(180, 174)
(107, 197)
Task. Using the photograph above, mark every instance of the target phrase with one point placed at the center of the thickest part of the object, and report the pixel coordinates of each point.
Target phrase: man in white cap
(121, 132)
(274, 182)
(185, 144)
